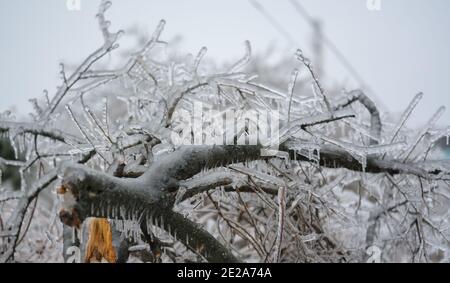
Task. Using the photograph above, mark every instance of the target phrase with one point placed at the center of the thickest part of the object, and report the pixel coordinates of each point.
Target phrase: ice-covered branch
(150, 196)
(28, 128)
(93, 194)
(109, 44)
(332, 156)
(228, 181)
(15, 222)
(190, 160)
(138, 174)
(375, 119)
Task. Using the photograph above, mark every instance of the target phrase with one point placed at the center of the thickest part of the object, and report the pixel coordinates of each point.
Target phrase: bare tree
(343, 182)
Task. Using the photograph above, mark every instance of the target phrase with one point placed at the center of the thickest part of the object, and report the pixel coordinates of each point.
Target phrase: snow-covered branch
(164, 147)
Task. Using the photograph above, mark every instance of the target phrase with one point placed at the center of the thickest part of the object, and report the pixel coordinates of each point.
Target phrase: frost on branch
(162, 147)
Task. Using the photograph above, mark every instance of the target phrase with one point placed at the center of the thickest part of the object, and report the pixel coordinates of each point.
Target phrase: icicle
(316, 96)
(122, 212)
(241, 63)
(268, 90)
(406, 115)
(74, 120)
(424, 131)
(307, 150)
(291, 87)
(94, 122)
(112, 211)
(199, 58)
(161, 222)
(12, 135)
(258, 175)
(156, 223)
(127, 228)
(170, 75)
(281, 221)
(154, 39)
(23, 184)
(310, 238)
(97, 210)
(169, 229)
(180, 193)
(318, 156)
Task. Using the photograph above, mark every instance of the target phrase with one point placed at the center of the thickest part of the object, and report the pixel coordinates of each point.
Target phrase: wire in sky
(274, 22)
(326, 40)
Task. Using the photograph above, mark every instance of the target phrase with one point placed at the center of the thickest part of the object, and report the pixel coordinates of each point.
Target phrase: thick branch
(191, 160)
(149, 198)
(89, 193)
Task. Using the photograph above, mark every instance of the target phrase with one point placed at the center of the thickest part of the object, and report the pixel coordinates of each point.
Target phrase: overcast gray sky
(400, 50)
